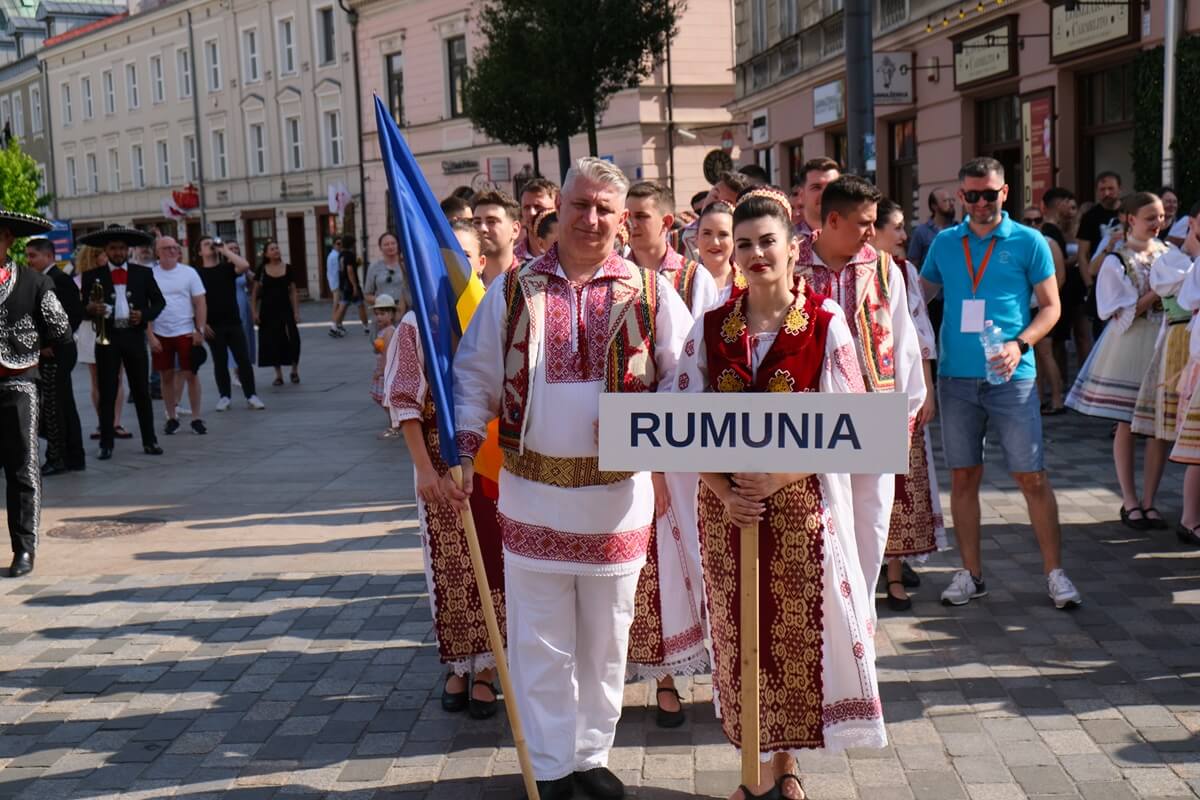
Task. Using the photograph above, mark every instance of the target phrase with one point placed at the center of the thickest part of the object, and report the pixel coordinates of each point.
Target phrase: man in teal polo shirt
(988, 268)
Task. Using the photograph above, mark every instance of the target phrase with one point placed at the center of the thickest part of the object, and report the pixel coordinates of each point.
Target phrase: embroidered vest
(792, 364)
(629, 362)
(684, 280)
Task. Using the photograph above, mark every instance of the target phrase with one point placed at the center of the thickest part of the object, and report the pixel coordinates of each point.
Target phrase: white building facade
(250, 102)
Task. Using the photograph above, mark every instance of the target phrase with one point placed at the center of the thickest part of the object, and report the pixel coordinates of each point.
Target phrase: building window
(456, 59)
(164, 162)
(158, 84)
(190, 158)
(35, 108)
(250, 69)
(18, 115)
(183, 70)
(132, 97)
(212, 65)
(295, 148)
(1106, 103)
(395, 86)
(114, 170)
(85, 92)
(72, 179)
(333, 138)
(110, 92)
(65, 94)
(287, 46)
(93, 173)
(5, 114)
(257, 149)
(892, 13)
(220, 167)
(326, 37)
(789, 17)
(998, 135)
(758, 25)
(138, 165)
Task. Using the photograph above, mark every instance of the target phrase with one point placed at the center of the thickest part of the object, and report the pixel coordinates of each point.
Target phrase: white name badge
(972, 316)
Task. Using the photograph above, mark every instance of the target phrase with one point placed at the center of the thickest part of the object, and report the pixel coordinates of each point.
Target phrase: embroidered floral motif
(859, 650)
(739, 280)
(468, 442)
(684, 381)
(578, 318)
(845, 360)
(730, 382)
(851, 709)
(690, 347)
(845, 588)
(734, 325)
(781, 381)
(796, 321)
(913, 529)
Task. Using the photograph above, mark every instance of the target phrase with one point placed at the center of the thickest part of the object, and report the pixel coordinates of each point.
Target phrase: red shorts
(173, 347)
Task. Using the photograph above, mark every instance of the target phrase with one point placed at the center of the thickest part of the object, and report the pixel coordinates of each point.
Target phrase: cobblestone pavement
(272, 638)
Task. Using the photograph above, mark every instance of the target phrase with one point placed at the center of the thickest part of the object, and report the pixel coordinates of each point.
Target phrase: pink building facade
(412, 53)
(1046, 90)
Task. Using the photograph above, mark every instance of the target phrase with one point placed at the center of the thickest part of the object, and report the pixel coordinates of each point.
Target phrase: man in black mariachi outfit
(125, 314)
(31, 318)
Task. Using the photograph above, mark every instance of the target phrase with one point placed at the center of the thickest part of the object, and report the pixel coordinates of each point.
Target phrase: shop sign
(985, 54)
(60, 236)
(829, 103)
(498, 169)
(1037, 146)
(1088, 28)
(460, 166)
(760, 131)
(893, 78)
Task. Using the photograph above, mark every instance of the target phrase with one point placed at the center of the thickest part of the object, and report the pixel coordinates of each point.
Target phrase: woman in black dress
(276, 305)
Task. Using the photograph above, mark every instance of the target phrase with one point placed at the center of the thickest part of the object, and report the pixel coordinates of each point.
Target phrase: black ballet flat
(909, 576)
(483, 709)
(1189, 536)
(1135, 524)
(770, 794)
(1154, 523)
(454, 702)
(669, 719)
(790, 777)
(896, 603)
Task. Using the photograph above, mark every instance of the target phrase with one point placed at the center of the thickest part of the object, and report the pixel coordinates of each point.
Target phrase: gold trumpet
(98, 325)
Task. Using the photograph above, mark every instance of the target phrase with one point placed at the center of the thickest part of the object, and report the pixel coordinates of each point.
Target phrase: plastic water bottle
(992, 339)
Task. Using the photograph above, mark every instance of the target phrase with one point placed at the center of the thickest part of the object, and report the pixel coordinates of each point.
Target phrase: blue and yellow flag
(445, 290)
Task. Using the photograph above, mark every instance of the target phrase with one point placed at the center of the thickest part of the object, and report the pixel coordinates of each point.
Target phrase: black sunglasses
(1032, 220)
(973, 196)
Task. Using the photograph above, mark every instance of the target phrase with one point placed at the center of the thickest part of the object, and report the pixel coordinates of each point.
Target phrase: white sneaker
(1062, 591)
(963, 588)
(223, 404)
(254, 403)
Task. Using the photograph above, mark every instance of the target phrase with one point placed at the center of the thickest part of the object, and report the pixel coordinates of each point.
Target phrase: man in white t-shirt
(175, 331)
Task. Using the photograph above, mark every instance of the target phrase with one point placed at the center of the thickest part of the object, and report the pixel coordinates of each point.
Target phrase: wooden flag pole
(493, 629)
(748, 580)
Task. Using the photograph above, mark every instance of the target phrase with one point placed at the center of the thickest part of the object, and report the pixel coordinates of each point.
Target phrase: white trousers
(568, 637)
(873, 497)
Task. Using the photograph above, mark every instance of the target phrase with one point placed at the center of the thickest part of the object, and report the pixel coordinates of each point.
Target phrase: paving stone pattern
(236, 683)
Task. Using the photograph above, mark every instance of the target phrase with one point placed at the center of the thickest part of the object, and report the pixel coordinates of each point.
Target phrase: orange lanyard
(976, 277)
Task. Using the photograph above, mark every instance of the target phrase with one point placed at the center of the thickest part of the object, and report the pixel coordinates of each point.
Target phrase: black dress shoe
(1190, 536)
(454, 701)
(600, 783)
(22, 564)
(53, 469)
(669, 719)
(483, 709)
(105, 453)
(898, 603)
(561, 789)
(152, 450)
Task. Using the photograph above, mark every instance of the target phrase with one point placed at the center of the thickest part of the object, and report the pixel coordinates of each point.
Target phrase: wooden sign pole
(748, 581)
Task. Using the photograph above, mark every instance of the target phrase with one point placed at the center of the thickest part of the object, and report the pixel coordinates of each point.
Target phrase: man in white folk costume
(869, 287)
(543, 346)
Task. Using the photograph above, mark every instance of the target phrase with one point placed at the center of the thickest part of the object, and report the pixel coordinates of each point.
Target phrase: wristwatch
(1022, 345)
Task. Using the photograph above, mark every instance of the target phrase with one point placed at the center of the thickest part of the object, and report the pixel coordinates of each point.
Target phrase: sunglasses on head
(973, 196)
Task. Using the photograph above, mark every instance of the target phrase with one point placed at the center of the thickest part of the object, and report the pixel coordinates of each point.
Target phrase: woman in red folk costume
(917, 527)
(817, 657)
(457, 611)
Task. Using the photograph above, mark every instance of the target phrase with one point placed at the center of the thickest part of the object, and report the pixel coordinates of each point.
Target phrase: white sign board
(829, 103)
(755, 432)
(893, 78)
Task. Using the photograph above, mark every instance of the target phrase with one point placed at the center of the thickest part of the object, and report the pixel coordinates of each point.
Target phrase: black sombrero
(117, 233)
(24, 224)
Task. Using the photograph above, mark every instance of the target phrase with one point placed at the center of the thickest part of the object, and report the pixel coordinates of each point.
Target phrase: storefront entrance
(998, 135)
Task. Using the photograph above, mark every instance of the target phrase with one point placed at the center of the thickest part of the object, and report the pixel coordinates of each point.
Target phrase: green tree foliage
(1148, 121)
(558, 64)
(19, 181)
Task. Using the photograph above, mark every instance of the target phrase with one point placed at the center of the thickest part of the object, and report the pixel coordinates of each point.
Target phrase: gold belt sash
(563, 472)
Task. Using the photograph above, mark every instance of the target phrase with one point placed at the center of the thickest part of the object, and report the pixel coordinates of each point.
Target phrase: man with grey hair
(546, 342)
